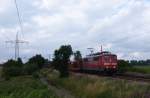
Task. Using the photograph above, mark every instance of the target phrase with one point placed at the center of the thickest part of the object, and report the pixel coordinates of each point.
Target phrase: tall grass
(24, 87)
(140, 69)
(96, 87)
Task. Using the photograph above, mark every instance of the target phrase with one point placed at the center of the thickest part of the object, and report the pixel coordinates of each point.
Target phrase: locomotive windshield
(107, 58)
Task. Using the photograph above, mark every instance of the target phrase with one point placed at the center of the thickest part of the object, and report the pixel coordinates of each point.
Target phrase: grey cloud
(122, 26)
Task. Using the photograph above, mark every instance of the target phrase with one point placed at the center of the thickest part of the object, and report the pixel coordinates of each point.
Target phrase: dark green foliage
(61, 59)
(38, 60)
(123, 66)
(106, 94)
(35, 75)
(140, 62)
(30, 68)
(77, 56)
(12, 68)
(19, 61)
(16, 68)
(78, 59)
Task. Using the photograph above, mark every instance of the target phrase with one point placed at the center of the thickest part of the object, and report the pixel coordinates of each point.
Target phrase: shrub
(38, 60)
(35, 75)
(16, 68)
(30, 68)
(12, 68)
(123, 66)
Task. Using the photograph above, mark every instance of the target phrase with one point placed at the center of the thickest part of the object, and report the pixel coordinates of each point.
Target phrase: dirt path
(60, 92)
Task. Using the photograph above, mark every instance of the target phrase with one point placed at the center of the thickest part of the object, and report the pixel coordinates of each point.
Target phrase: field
(78, 85)
(140, 69)
(96, 87)
(24, 87)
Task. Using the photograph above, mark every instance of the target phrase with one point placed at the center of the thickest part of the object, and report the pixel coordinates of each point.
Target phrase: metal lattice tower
(17, 43)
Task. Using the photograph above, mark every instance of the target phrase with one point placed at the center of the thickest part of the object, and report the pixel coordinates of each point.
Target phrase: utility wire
(19, 17)
(6, 37)
(17, 41)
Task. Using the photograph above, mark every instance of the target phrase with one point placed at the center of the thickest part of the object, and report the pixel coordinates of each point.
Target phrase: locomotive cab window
(85, 60)
(107, 58)
(114, 58)
(96, 58)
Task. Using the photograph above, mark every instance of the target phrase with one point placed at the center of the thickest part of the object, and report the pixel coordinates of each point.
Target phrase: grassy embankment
(140, 69)
(24, 87)
(96, 87)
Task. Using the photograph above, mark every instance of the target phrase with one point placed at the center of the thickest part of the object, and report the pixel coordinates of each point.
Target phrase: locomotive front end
(110, 62)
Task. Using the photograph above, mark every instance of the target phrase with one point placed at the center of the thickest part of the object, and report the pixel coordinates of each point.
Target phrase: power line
(19, 17)
(5, 36)
(17, 41)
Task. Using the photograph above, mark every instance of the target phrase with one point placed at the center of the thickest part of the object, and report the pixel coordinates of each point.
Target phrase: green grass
(96, 87)
(0, 72)
(24, 87)
(140, 69)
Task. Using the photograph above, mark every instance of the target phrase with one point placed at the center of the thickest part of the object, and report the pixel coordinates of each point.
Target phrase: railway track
(129, 77)
(133, 77)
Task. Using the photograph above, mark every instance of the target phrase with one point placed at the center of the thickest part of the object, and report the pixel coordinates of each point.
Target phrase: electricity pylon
(16, 43)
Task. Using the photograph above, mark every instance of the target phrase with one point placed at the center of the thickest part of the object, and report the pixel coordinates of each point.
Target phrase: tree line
(139, 62)
(60, 62)
(13, 68)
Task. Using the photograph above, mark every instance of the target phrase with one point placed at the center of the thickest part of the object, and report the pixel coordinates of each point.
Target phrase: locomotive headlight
(114, 66)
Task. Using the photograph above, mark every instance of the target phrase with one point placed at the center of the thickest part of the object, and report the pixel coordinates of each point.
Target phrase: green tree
(12, 68)
(78, 59)
(61, 59)
(77, 56)
(38, 60)
(19, 60)
(123, 66)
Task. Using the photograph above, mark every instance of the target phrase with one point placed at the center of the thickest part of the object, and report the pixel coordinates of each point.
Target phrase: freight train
(103, 61)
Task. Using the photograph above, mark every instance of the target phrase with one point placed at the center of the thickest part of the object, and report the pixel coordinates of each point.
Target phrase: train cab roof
(100, 54)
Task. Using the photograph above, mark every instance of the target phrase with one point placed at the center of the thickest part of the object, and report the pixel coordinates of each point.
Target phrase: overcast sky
(121, 26)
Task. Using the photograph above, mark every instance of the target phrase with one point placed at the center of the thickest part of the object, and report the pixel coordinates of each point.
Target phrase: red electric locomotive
(102, 61)
(99, 62)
